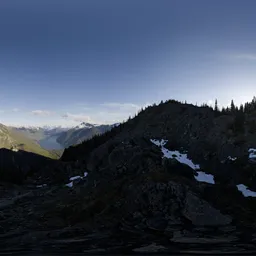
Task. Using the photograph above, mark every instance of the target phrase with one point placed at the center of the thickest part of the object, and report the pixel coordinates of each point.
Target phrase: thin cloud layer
(105, 113)
(41, 112)
(246, 56)
(77, 117)
(123, 106)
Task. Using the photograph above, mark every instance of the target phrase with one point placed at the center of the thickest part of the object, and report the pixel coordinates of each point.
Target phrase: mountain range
(12, 139)
(81, 133)
(57, 137)
(175, 178)
(40, 132)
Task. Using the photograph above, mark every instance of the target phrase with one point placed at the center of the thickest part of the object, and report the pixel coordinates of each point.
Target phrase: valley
(50, 143)
(58, 138)
(14, 140)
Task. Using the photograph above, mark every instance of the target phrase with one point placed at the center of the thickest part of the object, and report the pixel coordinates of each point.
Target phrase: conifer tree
(216, 108)
(232, 106)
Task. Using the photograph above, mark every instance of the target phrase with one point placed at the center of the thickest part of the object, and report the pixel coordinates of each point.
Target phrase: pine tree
(246, 107)
(216, 108)
(241, 109)
(238, 125)
(232, 106)
(254, 103)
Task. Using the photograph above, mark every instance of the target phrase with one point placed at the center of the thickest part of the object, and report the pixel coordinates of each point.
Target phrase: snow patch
(252, 153)
(159, 142)
(245, 191)
(75, 178)
(85, 125)
(78, 177)
(182, 158)
(232, 158)
(203, 177)
(70, 184)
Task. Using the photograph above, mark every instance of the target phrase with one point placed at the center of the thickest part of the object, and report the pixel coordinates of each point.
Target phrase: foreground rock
(131, 201)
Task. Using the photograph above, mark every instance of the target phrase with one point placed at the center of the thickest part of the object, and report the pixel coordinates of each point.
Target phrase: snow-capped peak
(85, 125)
(43, 127)
(89, 126)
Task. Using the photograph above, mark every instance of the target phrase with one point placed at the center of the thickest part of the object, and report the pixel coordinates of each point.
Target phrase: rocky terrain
(176, 178)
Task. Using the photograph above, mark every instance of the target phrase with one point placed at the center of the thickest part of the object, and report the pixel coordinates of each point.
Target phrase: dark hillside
(205, 133)
(16, 166)
(176, 177)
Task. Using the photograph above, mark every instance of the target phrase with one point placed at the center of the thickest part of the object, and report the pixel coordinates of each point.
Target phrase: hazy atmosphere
(63, 62)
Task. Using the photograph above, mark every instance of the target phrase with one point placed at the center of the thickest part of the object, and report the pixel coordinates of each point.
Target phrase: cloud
(246, 56)
(104, 113)
(15, 110)
(77, 117)
(121, 105)
(210, 102)
(125, 107)
(41, 113)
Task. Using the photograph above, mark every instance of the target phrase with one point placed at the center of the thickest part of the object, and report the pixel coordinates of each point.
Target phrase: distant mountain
(85, 125)
(57, 137)
(53, 131)
(45, 136)
(11, 138)
(40, 132)
(81, 133)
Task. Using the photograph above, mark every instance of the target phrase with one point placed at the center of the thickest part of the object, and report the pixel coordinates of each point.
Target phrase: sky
(67, 61)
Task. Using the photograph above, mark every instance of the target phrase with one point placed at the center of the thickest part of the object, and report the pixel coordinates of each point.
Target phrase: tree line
(239, 114)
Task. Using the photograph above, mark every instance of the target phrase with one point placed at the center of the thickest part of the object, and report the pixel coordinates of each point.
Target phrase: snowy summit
(86, 125)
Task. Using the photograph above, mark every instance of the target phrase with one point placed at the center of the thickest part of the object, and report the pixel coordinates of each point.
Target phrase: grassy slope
(56, 153)
(11, 137)
(29, 145)
(37, 135)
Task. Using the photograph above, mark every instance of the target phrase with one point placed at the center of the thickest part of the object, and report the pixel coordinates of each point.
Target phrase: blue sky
(63, 62)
